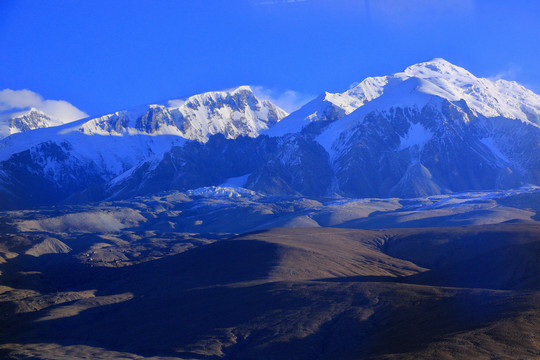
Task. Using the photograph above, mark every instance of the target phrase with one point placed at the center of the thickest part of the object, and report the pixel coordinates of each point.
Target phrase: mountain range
(434, 128)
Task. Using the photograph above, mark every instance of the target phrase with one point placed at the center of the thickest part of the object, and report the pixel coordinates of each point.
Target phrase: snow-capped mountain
(21, 121)
(116, 142)
(95, 150)
(436, 77)
(483, 96)
(411, 135)
(233, 113)
(434, 128)
(152, 128)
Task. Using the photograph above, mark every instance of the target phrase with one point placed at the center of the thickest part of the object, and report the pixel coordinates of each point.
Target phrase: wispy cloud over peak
(62, 110)
(288, 100)
(510, 73)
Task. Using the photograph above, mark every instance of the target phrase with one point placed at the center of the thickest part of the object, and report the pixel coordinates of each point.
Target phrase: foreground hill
(295, 293)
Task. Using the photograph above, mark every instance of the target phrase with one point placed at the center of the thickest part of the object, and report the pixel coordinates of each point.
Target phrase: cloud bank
(11, 100)
(288, 100)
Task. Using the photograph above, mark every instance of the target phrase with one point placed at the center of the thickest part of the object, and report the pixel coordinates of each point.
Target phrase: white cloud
(288, 100)
(176, 103)
(510, 73)
(23, 99)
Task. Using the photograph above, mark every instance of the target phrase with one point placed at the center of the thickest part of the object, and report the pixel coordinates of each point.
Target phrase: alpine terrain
(432, 129)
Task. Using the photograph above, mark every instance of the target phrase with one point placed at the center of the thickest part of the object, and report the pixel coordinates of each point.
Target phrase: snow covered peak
(21, 121)
(436, 68)
(484, 96)
(443, 79)
(34, 110)
(234, 112)
(433, 84)
(415, 86)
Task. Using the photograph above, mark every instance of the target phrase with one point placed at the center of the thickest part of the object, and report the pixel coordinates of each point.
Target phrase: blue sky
(103, 56)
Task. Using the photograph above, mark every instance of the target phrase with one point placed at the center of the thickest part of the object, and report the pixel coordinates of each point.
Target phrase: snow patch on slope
(417, 135)
(219, 191)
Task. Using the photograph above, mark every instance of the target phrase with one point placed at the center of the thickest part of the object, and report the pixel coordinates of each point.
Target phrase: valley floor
(179, 277)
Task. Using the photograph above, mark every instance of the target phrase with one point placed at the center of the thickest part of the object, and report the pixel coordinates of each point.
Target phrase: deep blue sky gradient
(104, 55)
